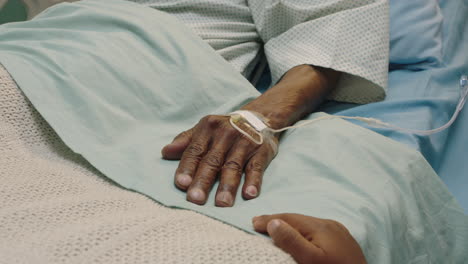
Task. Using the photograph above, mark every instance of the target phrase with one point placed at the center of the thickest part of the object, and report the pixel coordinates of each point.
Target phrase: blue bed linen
(453, 169)
(426, 100)
(415, 34)
(453, 165)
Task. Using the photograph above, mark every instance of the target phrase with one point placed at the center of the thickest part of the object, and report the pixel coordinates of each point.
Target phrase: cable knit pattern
(56, 208)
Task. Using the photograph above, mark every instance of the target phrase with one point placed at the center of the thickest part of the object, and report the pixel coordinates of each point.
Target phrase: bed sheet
(453, 169)
(425, 100)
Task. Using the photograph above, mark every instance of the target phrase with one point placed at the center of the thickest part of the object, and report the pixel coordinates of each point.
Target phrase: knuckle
(189, 165)
(212, 121)
(233, 165)
(330, 224)
(204, 119)
(214, 159)
(228, 187)
(338, 225)
(195, 150)
(230, 132)
(204, 181)
(255, 166)
(288, 217)
(248, 143)
(186, 133)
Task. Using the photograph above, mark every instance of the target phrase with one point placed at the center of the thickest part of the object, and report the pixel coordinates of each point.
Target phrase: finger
(291, 241)
(209, 167)
(295, 220)
(231, 172)
(191, 157)
(176, 148)
(254, 170)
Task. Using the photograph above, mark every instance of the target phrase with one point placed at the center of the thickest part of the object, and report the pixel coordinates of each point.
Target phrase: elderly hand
(213, 147)
(311, 240)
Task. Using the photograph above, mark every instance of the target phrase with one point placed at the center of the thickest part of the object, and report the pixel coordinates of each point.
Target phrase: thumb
(174, 150)
(291, 241)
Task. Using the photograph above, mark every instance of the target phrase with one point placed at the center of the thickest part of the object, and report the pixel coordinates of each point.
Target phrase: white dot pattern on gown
(351, 36)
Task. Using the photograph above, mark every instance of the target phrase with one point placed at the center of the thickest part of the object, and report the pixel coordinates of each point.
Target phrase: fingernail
(197, 195)
(273, 224)
(184, 180)
(225, 198)
(251, 191)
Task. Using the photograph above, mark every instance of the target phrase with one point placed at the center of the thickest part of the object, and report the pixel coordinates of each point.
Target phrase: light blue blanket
(426, 100)
(117, 81)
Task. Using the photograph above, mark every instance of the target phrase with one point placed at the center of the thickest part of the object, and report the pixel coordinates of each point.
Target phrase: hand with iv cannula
(213, 147)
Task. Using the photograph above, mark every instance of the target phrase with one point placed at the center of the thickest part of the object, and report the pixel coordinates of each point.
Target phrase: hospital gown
(350, 36)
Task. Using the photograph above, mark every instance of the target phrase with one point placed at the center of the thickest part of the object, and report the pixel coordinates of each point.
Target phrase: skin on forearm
(301, 90)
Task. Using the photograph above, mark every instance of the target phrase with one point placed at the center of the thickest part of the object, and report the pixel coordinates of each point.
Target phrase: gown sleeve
(350, 36)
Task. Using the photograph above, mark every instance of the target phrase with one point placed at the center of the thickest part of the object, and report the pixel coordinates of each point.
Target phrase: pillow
(415, 34)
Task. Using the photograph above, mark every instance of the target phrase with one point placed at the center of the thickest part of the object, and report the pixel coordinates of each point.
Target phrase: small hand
(311, 240)
(214, 147)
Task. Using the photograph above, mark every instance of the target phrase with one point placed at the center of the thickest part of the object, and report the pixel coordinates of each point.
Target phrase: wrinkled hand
(214, 147)
(311, 240)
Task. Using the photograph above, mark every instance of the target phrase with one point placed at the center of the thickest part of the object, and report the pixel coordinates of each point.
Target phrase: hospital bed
(425, 99)
(421, 99)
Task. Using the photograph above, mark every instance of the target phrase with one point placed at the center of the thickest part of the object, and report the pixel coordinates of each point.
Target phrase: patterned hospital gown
(350, 36)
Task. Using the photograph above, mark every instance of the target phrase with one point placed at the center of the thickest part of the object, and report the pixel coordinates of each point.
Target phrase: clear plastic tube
(254, 120)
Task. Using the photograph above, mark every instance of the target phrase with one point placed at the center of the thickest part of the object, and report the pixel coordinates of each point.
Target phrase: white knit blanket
(55, 208)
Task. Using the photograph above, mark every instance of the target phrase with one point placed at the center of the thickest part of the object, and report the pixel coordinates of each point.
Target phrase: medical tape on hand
(259, 126)
(246, 121)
